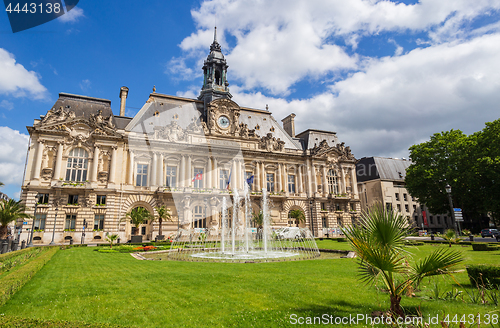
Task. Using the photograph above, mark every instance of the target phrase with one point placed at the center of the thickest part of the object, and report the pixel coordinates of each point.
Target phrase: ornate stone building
(89, 166)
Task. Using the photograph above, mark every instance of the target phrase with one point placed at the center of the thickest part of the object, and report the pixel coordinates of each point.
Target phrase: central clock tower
(215, 84)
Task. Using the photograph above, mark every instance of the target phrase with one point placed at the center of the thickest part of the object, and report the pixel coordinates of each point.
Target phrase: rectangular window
(171, 176)
(270, 182)
(142, 175)
(407, 208)
(323, 206)
(439, 219)
(397, 196)
(40, 222)
(337, 207)
(324, 221)
(198, 178)
(398, 207)
(248, 176)
(388, 206)
(70, 222)
(101, 200)
(223, 179)
(99, 222)
(42, 198)
(353, 206)
(431, 219)
(405, 197)
(291, 184)
(73, 199)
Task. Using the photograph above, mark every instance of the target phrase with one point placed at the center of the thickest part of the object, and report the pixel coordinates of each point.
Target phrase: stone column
(354, 184)
(325, 182)
(314, 178)
(57, 169)
(189, 172)
(257, 177)
(154, 169)
(309, 178)
(234, 175)
(215, 182)
(95, 164)
(264, 181)
(112, 166)
(161, 177)
(131, 168)
(182, 173)
(343, 189)
(243, 174)
(299, 187)
(208, 174)
(278, 184)
(38, 162)
(285, 179)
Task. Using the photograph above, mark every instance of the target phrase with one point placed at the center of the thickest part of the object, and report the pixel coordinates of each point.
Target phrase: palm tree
(138, 216)
(378, 243)
(298, 215)
(1, 184)
(111, 239)
(258, 220)
(10, 210)
(163, 214)
(451, 237)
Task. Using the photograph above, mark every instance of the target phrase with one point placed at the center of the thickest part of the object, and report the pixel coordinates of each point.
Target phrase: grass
(79, 284)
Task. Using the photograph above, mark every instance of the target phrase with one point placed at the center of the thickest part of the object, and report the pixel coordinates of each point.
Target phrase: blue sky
(384, 75)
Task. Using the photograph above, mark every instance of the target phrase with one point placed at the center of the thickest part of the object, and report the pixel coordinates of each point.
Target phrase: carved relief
(57, 115)
(270, 143)
(227, 108)
(172, 132)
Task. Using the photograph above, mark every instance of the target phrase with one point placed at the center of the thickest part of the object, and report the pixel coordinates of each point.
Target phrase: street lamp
(83, 230)
(448, 191)
(30, 244)
(54, 229)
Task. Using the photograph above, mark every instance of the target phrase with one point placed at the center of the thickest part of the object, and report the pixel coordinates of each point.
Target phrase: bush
(341, 240)
(483, 275)
(483, 247)
(18, 258)
(14, 281)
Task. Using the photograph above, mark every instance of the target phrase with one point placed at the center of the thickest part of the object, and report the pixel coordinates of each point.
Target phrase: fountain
(234, 240)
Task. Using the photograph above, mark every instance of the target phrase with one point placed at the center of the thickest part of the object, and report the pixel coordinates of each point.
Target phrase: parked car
(493, 233)
(289, 233)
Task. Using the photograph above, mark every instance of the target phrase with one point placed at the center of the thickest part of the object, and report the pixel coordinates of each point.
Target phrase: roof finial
(215, 34)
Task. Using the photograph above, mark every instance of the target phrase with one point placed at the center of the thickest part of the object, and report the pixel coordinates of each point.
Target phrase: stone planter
(160, 237)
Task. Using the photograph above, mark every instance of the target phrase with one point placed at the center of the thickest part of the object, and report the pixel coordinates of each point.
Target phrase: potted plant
(137, 216)
(163, 214)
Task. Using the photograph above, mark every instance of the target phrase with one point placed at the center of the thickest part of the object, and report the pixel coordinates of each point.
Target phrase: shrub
(484, 275)
(341, 240)
(483, 247)
(18, 258)
(14, 281)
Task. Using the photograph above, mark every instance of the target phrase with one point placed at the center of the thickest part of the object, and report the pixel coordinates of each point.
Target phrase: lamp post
(30, 244)
(83, 230)
(448, 191)
(54, 229)
(312, 220)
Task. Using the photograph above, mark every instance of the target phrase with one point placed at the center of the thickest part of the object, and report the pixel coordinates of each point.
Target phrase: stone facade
(86, 165)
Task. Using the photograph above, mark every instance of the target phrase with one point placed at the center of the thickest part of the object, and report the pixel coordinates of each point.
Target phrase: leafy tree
(111, 239)
(163, 214)
(378, 243)
(10, 210)
(138, 216)
(298, 215)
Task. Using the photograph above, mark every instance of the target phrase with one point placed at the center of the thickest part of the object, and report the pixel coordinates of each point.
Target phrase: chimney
(289, 125)
(123, 100)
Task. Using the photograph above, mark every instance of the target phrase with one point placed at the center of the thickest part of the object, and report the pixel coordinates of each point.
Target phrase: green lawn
(80, 284)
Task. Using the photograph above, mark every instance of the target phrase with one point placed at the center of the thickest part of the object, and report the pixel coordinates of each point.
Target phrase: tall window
(101, 200)
(223, 179)
(171, 176)
(42, 198)
(324, 222)
(73, 199)
(248, 175)
(291, 183)
(199, 220)
(142, 175)
(198, 178)
(333, 184)
(70, 222)
(270, 182)
(76, 169)
(99, 222)
(397, 196)
(40, 221)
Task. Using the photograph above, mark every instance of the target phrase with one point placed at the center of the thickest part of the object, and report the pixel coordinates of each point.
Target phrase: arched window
(333, 183)
(76, 169)
(199, 220)
(217, 78)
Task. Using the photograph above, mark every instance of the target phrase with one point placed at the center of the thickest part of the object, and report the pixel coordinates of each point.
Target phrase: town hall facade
(88, 167)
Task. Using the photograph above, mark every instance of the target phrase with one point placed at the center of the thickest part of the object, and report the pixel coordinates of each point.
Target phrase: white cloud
(18, 81)
(85, 85)
(7, 104)
(72, 16)
(13, 147)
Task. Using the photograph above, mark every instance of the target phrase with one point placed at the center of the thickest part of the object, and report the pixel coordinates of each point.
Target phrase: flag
(198, 176)
(424, 215)
(250, 180)
(229, 180)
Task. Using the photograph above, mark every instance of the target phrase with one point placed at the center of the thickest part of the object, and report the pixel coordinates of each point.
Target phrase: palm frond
(438, 262)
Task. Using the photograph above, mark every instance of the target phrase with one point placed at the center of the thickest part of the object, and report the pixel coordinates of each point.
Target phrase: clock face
(223, 122)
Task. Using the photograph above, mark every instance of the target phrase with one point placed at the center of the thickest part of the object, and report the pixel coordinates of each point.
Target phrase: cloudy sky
(383, 74)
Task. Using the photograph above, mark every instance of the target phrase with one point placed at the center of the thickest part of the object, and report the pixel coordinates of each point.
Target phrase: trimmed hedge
(18, 258)
(8, 256)
(483, 274)
(341, 240)
(12, 282)
(484, 247)
(17, 322)
(446, 242)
